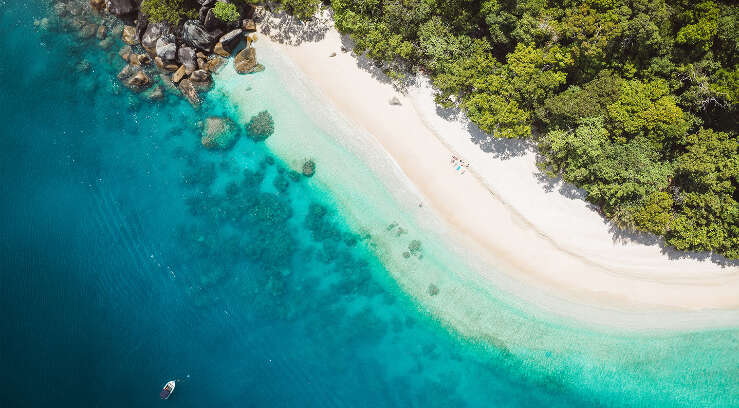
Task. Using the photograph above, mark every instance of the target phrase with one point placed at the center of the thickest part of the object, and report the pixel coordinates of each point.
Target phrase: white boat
(167, 390)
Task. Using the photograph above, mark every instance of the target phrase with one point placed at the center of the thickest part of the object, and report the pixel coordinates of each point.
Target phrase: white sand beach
(541, 230)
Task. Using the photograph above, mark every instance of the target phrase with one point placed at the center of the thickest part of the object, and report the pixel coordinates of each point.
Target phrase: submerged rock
(189, 91)
(219, 133)
(101, 33)
(88, 31)
(309, 168)
(83, 66)
(214, 63)
(60, 9)
(167, 84)
(202, 86)
(129, 35)
(155, 94)
(432, 290)
(127, 72)
(246, 61)
(414, 247)
(106, 43)
(139, 82)
(42, 24)
(179, 74)
(218, 49)
(261, 126)
(200, 76)
(201, 80)
(125, 52)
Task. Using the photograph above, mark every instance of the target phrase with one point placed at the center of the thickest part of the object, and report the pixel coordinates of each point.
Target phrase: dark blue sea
(130, 255)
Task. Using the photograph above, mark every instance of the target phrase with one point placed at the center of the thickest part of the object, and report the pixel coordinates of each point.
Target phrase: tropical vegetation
(171, 11)
(226, 11)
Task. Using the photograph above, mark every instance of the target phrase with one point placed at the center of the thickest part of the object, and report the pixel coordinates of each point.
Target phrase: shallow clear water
(131, 255)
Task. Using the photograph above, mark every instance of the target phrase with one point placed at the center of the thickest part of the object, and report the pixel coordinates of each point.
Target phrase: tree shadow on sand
(621, 235)
(498, 148)
(287, 29)
(375, 68)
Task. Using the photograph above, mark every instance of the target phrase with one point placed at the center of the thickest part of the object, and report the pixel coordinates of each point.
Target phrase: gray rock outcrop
(123, 8)
(195, 35)
(186, 56)
(166, 49)
(231, 39)
(152, 34)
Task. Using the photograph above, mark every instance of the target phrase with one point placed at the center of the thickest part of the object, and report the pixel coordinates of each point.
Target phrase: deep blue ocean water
(130, 256)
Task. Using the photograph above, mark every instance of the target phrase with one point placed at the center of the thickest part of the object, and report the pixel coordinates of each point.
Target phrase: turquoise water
(131, 255)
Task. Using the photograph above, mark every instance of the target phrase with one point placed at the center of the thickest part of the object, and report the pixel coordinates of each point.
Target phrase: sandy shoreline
(544, 236)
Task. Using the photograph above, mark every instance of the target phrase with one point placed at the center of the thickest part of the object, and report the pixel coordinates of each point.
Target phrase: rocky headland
(160, 56)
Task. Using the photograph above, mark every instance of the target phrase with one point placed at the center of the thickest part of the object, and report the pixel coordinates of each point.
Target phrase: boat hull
(167, 390)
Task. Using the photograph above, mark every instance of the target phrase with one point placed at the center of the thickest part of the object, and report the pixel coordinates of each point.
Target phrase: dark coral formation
(261, 126)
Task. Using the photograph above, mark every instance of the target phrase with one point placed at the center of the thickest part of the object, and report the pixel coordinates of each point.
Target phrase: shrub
(226, 11)
(261, 126)
(302, 9)
(171, 11)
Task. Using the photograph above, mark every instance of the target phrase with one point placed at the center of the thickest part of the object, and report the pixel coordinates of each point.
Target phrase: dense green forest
(633, 101)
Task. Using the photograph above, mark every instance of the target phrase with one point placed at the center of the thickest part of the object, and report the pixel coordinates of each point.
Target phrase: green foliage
(589, 100)
(708, 209)
(646, 109)
(226, 11)
(710, 163)
(702, 27)
(261, 126)
(499, 98)
(615, 175)
(302, 9)
(633, 100)
(171, 11)
(655, 215)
